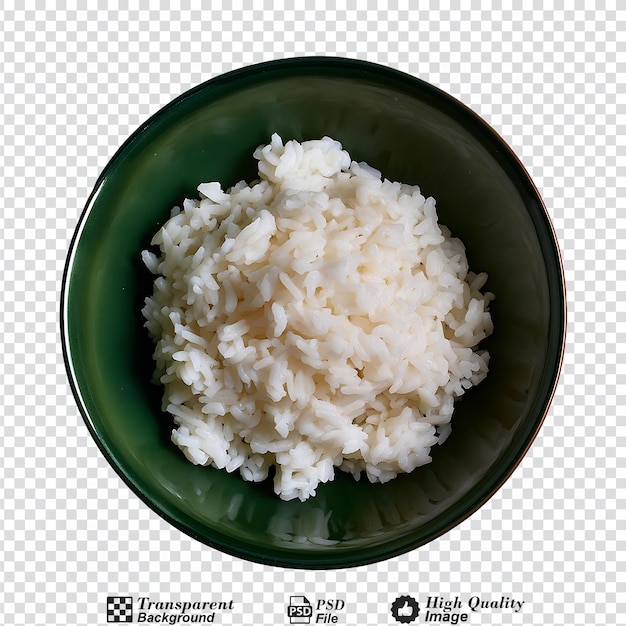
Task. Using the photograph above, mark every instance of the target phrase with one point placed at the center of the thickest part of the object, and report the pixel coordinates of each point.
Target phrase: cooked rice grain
(318, 318)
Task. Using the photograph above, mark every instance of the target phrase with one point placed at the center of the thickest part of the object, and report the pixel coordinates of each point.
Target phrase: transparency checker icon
(299, 610)
(119, 609)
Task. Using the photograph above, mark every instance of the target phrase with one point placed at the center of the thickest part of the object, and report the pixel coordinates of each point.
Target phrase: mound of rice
(318, 318)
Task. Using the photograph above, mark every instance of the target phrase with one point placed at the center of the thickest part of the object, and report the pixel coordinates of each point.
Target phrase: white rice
(318, 318)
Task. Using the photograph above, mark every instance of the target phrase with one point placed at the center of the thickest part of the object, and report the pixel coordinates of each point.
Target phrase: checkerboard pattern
(119, 610)
(76, 82)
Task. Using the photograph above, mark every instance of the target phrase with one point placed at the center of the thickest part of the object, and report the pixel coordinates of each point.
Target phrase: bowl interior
(411, 132)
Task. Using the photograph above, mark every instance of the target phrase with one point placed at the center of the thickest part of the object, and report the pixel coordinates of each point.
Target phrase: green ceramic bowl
(413, 133)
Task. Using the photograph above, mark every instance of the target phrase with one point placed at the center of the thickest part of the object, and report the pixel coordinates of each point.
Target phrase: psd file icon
(299, 610)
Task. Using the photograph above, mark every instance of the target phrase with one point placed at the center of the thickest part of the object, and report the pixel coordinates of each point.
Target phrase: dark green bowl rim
(493, 482)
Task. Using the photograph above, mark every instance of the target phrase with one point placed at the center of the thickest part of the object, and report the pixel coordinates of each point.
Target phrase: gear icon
(405, 609)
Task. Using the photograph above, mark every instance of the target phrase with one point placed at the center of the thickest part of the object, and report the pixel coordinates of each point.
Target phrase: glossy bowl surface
(410, 131)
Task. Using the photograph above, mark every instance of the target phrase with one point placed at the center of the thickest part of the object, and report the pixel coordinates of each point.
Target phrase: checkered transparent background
(76, 83)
